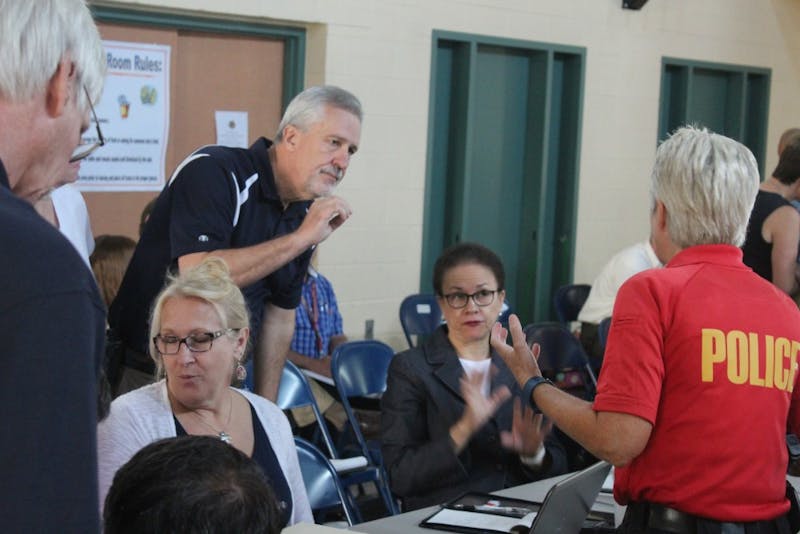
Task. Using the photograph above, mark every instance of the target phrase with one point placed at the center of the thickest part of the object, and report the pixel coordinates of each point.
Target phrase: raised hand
(528, 430)
(478, 409)
(324, 216)
(520, 358)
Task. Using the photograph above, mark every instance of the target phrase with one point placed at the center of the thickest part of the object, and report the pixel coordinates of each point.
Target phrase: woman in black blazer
(448, 422)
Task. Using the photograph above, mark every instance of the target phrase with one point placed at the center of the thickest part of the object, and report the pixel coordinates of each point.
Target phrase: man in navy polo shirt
(262, 210)
(52, 318)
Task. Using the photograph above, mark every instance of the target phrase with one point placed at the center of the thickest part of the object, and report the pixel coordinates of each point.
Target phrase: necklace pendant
(224, 436)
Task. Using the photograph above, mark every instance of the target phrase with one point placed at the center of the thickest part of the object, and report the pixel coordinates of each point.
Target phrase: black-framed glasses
(84, 149)
(458, 300)
(197, 342)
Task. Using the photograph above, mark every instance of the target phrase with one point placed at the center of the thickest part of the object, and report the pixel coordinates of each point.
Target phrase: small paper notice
(231, 128)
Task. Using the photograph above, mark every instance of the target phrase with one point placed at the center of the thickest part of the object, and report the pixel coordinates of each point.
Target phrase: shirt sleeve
(203, 197)
(286, 289)
(633, 365)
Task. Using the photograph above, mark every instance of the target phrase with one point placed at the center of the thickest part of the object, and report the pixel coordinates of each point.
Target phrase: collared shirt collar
(718, 254)
(267, 181)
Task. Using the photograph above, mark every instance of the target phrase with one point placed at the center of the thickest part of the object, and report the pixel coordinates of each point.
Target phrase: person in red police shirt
(701, 363)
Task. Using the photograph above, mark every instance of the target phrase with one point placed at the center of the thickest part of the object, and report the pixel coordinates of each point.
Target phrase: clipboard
(483, 513)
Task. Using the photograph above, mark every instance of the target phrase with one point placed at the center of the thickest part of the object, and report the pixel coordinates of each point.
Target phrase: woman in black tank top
(773, 233)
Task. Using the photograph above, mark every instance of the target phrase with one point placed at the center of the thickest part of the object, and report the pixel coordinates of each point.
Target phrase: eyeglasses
(84, 149)
(200, 342)
(484, 297)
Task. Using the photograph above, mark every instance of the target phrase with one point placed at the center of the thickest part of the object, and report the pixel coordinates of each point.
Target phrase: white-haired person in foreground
(51, 314)
(699, 374)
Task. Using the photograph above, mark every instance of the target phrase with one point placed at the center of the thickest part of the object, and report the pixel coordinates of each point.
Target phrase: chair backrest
(568, 301)
(360, 369)
(505, 313)
(562, 358)
(295, 392)
(419, 316)
(322, 483)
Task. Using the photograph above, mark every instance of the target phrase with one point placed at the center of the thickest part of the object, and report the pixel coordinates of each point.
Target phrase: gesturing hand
(478, 409)
(520, 358)
(528, 431)
(324, 216)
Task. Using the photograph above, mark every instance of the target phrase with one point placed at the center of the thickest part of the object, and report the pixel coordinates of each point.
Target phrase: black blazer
(422, 401)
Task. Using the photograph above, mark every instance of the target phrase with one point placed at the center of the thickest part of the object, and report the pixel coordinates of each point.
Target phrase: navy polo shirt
(218, 198)
(53, 324)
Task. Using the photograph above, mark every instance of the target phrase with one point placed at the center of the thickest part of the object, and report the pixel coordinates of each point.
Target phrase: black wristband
(533, 383)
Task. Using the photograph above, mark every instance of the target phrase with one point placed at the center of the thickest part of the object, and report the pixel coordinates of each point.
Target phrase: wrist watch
(527, 391)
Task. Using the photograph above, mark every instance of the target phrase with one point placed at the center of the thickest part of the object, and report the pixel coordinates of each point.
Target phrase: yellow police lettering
(713, 351)
(748, 358)
(755, 376)
(737, 357)
(769, 362)
(793, 362)
(782, 347)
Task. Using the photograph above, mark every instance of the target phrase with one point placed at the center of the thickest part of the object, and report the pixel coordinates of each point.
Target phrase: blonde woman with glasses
(199, 335)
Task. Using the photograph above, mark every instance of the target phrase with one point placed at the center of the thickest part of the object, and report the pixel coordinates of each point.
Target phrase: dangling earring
(241, 371)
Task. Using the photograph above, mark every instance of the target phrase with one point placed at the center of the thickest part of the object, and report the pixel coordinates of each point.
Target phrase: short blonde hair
(211, 282)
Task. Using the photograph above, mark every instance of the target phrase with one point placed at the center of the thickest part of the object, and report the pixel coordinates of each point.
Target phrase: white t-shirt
(620, 267)
(471, 367)
(73, 219)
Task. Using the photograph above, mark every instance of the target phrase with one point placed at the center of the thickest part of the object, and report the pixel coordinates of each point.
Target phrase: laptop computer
(569, 501)
(564, 510)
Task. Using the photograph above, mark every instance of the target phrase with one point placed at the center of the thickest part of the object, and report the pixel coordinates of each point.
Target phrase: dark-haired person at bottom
(192, 485)
(700, 369)
(448, 422)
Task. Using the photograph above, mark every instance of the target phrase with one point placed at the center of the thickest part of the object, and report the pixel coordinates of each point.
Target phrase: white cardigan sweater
(143, 416)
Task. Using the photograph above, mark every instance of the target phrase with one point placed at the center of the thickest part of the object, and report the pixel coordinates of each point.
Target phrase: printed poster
(133, 113)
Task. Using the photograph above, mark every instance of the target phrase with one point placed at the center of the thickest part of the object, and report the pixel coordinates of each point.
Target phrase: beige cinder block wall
(381, 50)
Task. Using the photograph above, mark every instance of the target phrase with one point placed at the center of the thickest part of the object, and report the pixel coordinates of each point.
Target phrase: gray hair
(306, 108)
(209, 281)
(708, 183)
(35, 35)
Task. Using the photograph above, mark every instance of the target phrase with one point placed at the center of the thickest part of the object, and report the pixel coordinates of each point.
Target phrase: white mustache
(334, 171)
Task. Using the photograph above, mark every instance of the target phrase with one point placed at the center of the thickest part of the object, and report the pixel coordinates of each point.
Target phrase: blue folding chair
(562, 358)
(324, 489)
(505, 313)
(564, 361)
(295, 392)
(360, 369)
(568, 301)
(419, 316)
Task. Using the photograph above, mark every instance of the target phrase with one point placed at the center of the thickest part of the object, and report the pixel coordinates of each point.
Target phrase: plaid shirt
(329, 320)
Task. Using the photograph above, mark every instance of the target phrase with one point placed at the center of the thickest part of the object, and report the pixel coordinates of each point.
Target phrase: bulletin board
(208, 72)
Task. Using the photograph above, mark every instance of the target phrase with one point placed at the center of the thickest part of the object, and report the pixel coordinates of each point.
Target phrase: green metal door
(502, 167)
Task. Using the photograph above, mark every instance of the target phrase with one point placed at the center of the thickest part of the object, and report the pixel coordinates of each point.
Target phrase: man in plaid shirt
(317, 332)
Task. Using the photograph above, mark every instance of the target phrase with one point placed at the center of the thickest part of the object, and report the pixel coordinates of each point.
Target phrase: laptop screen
(568, 502)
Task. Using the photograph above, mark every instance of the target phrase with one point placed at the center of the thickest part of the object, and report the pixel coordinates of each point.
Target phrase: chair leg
(386, 494)
(351, 504)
